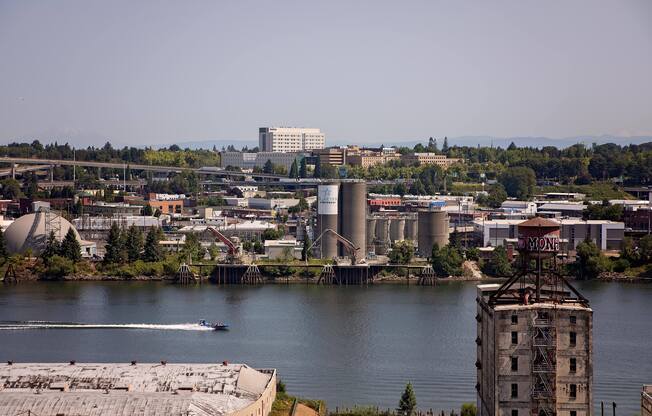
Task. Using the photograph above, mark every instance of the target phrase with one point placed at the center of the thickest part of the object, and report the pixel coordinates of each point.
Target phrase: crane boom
(348, 245)
(233, 249)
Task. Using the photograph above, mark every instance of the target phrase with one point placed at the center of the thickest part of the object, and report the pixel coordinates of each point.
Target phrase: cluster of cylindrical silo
(432, 229)
(384, 231)
(343, 209)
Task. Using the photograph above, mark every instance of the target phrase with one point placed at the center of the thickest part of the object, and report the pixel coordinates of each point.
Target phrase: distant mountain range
(459, 141)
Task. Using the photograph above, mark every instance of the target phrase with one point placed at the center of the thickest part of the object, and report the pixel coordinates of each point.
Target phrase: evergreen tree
(305, 253)
(317, 172)
(268, 167)
(113, 250)
(52, 247)
(70, 247)
(152, 251)
(444, 147)
(408, 403)
(148, 211)
(134, 243)
(294, 170)
(303, 168)
(3, 245)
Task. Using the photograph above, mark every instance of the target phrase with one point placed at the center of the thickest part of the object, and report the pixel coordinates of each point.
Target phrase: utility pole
(74, 159)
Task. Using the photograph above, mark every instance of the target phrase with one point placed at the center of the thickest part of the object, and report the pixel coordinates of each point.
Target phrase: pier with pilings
(325, 274)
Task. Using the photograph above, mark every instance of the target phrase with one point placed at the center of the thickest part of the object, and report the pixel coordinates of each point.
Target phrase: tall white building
(289, 139)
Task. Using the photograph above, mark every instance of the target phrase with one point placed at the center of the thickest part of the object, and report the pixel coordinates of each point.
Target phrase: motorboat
(217, 326)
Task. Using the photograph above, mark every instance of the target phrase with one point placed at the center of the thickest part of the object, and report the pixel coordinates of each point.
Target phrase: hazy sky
(141, 72)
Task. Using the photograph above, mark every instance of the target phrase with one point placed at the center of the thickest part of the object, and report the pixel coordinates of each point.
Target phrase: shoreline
(298, 280)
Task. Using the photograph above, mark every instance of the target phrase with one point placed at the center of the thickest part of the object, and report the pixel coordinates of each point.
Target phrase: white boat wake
(23, 325)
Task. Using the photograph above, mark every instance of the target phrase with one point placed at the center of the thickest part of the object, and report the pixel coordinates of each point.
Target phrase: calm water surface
(346, 345)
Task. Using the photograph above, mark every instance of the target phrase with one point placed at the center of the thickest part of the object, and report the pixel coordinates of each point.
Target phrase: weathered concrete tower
(534, 339)
(353, 215)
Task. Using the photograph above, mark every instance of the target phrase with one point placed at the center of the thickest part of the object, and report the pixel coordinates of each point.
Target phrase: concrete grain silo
(411, 229)
(382, 235)
(397, 230)
(327, 206)
(433, 229)
(371, 232)
(353, 216)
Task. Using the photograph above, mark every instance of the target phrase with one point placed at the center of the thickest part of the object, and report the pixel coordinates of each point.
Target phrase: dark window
(514, 322)
(573, 365)
(573, 319)
(514, 412)
(573, 391)
(573, 339)
(514, 363)
(573, 413)
(514, 390)
(514, 337)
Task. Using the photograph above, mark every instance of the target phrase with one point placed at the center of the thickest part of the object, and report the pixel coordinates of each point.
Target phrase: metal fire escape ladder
(543, 364)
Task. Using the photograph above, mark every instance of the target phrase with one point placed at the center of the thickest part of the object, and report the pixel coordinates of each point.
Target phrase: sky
(158, 72)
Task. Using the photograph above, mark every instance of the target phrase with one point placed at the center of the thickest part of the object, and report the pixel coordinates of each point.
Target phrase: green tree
(645, 248)
(499, 264)
(213, 251)
(303, 168)
(519, 181)
(408, 403)
(497, 196)
(70, 247)
(192, 247)
(294, 170)
(52, 247)
(11, 189)
(402, 252)
(590, 262)
(468, 409)
(31, 186)
(446, 261)
(268, 167)
(113, 251)
(148, 211)
(134, 243)
(317, 172)
(3, 245)
(444, 147)
(152, 251)
(305, 253)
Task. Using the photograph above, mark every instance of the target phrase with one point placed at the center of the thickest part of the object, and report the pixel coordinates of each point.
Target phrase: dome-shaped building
(31, 231)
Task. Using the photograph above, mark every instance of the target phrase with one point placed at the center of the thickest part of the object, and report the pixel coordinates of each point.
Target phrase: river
(346, 345)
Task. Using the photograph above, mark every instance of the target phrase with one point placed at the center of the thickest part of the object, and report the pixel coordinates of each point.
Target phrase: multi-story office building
(289, 139)
(333, 156)
(368, 157)
(429, 159)
(244, 160)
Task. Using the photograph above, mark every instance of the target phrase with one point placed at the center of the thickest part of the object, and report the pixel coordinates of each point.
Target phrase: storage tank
(327, 206)
(433, 229)
(353, 221)
(397, 230)
(411, 229)
(382, 230)
(371, 231)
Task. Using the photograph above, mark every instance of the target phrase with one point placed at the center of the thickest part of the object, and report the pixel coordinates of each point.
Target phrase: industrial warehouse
(113, 389)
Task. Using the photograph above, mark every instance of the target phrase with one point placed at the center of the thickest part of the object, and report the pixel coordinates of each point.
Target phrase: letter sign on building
(544, 243)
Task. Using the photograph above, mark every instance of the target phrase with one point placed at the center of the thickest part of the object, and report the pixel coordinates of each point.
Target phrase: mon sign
(545, 243)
